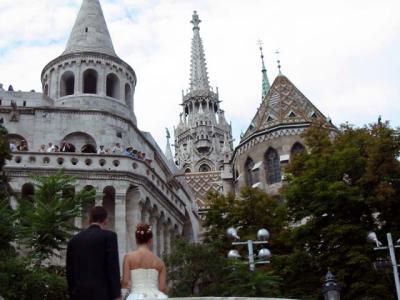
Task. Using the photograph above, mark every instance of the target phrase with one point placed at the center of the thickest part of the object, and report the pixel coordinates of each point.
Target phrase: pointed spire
(265, 82)
(90, 32)
(199, 76)
(168, 151)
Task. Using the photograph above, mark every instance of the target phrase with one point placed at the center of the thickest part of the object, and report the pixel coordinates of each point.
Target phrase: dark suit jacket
(93, 265)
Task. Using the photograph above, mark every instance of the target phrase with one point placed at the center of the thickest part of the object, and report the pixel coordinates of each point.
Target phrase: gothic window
(188, 171)
(204, 168)
(112, 86)
(67, 85)
(297, 148)
(273, 166)
(249, 165)
(128, 94)
(90, 82)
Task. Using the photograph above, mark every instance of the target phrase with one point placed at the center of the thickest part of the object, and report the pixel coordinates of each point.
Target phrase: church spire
(199, 76)
(168, 151)
(90, 32)
(265, 82)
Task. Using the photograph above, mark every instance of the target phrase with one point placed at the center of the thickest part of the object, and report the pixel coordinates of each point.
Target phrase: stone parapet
(93, 165)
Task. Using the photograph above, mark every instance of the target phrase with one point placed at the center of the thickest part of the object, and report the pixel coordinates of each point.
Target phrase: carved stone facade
(273, 137)
(203, 137)
(87, 102)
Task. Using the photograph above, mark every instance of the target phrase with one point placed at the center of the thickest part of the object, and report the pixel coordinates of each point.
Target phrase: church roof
(198, 68)
(90, 32)
(283, 104)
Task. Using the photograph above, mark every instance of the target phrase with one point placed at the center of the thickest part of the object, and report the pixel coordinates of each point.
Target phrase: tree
(341, 189)
(204, 270)
(7, 217)
(46, 223)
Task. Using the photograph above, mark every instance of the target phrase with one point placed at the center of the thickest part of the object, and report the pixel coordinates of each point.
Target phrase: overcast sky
(344, 55)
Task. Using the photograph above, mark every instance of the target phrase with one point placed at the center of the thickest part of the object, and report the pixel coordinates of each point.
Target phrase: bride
(143, 272)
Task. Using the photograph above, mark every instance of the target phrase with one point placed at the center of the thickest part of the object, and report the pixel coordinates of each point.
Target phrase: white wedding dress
(145, 285)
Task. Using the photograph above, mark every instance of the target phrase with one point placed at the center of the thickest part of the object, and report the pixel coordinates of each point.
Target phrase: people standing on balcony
(50, 148)
(67, 147)
(13, 147)
(101, 150)
(117, 149)
(42, 148)
(23, 146)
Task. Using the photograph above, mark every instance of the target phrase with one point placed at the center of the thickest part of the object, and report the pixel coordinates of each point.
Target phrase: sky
(344, 55)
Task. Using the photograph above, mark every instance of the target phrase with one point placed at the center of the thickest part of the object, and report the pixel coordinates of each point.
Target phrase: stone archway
(81, 141)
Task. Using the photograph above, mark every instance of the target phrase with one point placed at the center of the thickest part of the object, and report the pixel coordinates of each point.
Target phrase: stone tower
(89, 74)
(203, 137)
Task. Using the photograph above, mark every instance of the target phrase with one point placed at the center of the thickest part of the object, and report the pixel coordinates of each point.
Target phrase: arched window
(128, 95)
(78, 140)
(88, 148)
(46, 90)
(28, 191)
(272, 166)
(67, 84)
(249, 165)
(112, 86)
(90, 82)
(188, 170)
(204, 168)
(297, 148)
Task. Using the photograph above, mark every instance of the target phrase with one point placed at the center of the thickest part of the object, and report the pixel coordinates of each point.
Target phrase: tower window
(90, 82)
(113, 86)
(86, 29)
(67, 84)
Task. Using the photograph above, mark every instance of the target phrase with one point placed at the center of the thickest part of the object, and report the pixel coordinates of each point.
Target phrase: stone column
(133, 218)
(160, 230)
(167, 239)
(154, 224)
(120, 224)
(99, 199)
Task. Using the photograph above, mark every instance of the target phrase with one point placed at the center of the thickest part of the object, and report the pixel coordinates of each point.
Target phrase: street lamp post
(331, 289)
(391, 247)
(264, 254)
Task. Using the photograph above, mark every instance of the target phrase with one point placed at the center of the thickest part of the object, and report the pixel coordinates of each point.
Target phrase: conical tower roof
(284, 104)
(90, 32)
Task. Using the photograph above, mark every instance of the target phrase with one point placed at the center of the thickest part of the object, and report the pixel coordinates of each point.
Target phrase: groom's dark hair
(98, 214)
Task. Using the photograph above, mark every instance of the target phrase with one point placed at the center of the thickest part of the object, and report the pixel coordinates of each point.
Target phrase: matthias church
(84, 122)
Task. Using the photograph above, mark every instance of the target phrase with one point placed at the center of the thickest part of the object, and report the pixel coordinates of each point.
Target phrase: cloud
(343, 55)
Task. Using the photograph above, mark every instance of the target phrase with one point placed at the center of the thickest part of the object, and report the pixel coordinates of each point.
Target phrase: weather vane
(277, 52)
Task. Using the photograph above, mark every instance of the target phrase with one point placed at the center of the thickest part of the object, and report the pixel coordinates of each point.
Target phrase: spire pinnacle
(277, 52)
(199, 76)
(265, 82)
(168, 151)
(90, 32)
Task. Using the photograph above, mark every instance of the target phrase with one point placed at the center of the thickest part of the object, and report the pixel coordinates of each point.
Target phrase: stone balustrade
(109, 164)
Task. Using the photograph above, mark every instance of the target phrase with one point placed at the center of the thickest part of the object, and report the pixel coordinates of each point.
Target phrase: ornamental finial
(195, 21)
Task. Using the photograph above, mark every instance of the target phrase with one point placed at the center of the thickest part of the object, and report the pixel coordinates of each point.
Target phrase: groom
(92, 261)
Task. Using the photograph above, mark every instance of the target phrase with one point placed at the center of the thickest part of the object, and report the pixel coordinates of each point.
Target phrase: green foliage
(199, 270)
(204, 270)
(5, 154)
(45, 224)
(344, 188)
(19, 280)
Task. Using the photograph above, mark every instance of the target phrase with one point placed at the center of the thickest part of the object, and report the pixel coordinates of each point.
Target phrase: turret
(89, 74)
